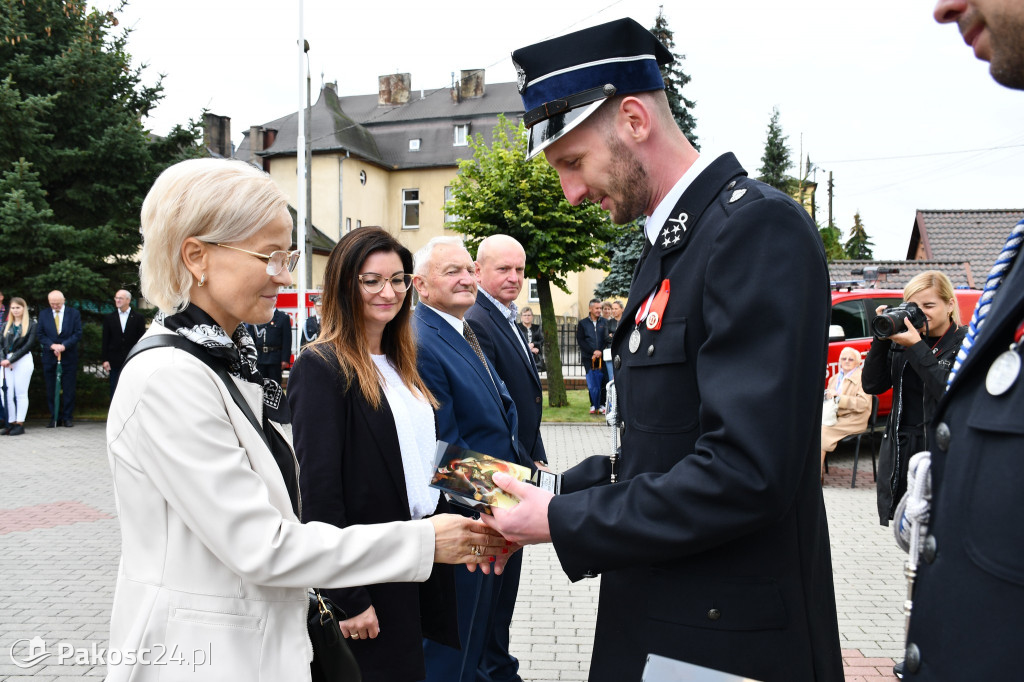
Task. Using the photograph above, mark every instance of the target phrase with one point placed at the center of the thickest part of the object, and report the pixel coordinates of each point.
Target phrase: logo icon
(37, 652)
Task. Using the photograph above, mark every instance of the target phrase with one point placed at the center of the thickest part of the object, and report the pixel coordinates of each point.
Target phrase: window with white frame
(461, 134)
(348, 225)
(414, 144)
(449, 194)
(533, 295)
(410, 209)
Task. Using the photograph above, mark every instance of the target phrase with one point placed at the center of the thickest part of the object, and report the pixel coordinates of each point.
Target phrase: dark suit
(117, 343)
(273, 344)
(969, 596)
(478, 414)
(351, 472)
(69, 336)
(505, 347)
(312, 330)
(713, 548)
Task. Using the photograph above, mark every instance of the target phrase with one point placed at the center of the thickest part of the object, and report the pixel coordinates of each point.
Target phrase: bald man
(122, 329)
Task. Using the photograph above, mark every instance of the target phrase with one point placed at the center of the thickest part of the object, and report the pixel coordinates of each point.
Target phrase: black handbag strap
(181, 343)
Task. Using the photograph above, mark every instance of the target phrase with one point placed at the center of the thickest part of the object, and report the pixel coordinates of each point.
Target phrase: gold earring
(202, 281)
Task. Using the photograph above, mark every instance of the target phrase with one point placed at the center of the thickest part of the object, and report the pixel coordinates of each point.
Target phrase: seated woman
(365, 439)
(853, 404)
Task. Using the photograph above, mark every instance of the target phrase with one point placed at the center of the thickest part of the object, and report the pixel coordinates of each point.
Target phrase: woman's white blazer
(214, 565)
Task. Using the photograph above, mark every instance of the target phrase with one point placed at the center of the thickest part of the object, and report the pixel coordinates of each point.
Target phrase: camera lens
(887, 324)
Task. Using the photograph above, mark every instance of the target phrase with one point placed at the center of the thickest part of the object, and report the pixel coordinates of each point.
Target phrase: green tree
(499, 192)
(831, 237)
(858, 246)
(675, 78)
(775, 161)
(624, 253)
(73, 106)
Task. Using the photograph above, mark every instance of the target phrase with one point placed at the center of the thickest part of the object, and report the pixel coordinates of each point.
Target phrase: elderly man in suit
(712, 545)
(122, 329)
(59, 333)
(500, 264)
(475, 412)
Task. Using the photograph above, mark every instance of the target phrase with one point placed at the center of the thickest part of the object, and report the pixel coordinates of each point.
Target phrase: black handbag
(333, 661)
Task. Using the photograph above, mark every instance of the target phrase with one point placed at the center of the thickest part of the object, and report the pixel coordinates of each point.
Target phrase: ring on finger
(354, 635)
(476, 550)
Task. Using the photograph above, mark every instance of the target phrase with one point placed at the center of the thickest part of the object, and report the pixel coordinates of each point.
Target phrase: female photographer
(914, 363)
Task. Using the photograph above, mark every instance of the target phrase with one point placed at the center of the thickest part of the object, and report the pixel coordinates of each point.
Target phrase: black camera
(890, 321)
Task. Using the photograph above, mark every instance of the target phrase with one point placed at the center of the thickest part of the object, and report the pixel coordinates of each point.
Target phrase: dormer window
(414, 144)
(461, 135)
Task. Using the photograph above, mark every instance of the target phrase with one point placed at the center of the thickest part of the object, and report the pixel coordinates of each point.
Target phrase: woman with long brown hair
(364, 433)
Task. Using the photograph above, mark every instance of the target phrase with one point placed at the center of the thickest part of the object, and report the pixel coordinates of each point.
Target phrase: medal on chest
(1006, 368)
(650, 314)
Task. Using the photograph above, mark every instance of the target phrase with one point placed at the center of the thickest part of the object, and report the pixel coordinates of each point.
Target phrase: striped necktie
(995, 277)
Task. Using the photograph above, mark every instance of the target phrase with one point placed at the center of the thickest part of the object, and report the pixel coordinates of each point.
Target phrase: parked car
(852, 311)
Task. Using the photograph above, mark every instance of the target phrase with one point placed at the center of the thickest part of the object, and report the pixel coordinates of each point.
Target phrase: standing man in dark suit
(312, 329)
(712, 546)
(476, 412)
(500, 266)
(122, 329)
(273, 345)
(592, 338)
(969, 592)
(59, 332)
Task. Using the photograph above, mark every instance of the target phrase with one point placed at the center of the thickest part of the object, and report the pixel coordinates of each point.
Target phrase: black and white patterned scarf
(237, 352)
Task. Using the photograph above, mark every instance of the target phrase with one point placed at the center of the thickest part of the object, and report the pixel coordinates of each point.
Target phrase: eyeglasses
(374, 283)
(276, 261)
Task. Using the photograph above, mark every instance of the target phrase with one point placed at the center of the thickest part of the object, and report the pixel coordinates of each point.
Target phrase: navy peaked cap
(564, 80)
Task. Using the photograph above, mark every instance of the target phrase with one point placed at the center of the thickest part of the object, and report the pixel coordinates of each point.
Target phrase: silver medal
(634, 339)
(1003, 372)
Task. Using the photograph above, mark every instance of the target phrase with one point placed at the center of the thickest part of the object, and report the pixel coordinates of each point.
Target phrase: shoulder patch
(737, 195)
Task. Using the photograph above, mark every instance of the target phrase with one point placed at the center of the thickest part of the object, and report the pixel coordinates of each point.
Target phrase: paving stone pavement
(59, 547)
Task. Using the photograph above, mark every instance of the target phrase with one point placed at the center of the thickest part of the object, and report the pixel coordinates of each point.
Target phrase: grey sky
(890, 101)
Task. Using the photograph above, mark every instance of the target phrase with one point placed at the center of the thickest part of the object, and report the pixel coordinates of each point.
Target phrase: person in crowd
(611, 324)
(971, 571)
(853, 405)
(476, 412)
(534, 335)
(500, 267)
(364, 435)
(213, 555)
(3, 309)
(122, 329)
(273, 345)
(617, 311)
(712, 544)
(592, 338)
(311, 331)
(59, 332)
(16, 364)
(914, 363)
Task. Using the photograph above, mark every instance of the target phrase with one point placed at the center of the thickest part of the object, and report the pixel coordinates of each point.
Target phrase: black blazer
(350, 472)
(70, 335)
(117, 344)
(713, 547)
(14, 347)
(501, 344)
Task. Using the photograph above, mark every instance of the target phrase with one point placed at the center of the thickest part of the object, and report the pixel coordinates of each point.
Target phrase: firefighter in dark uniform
(712, 545)
(966, 621)
(273, 342)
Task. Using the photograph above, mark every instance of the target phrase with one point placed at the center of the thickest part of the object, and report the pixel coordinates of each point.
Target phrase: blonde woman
(914, 363)
(16, 364)
(213, 556)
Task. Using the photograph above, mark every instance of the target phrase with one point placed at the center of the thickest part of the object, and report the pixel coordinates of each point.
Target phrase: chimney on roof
(471, 85)
(217, 134)
(393, 89)
(332, 86)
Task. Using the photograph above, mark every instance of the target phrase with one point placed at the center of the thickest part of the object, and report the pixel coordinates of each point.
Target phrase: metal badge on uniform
(653, 319)
(1003, 372)
(657, 311)
(737, 195)
(634, 339)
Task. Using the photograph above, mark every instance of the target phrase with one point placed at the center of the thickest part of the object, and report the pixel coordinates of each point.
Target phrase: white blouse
(414, 423)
